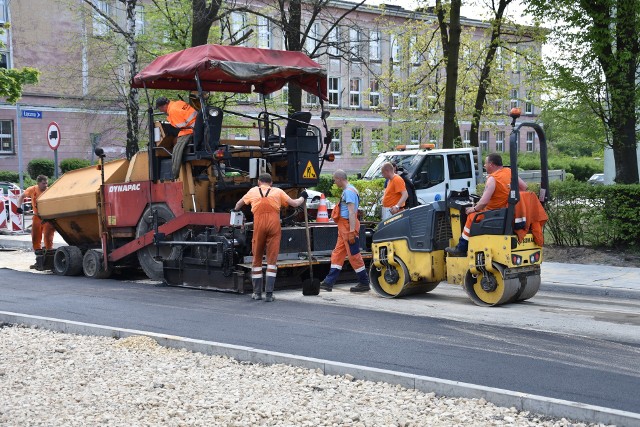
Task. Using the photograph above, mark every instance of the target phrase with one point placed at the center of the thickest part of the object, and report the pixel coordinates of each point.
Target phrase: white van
(433, 172)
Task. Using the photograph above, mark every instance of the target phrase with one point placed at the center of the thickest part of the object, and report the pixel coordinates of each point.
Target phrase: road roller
(503, 261)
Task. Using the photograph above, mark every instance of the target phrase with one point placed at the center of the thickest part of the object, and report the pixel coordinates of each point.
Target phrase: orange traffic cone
(323, 214)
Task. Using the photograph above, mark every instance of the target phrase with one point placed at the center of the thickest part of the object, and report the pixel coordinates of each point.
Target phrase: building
(374, 59)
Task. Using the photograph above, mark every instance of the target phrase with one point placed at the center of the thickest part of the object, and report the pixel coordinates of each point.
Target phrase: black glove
(304, 194)
(20, 211)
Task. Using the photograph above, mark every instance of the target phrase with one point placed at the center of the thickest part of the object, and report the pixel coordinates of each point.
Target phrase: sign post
(53, 138)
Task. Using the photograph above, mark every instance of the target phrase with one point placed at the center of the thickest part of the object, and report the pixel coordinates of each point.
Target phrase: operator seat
(297, 125)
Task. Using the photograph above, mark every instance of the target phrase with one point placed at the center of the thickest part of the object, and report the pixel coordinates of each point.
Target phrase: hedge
(9, 176)
(40, 167)
(72, 164)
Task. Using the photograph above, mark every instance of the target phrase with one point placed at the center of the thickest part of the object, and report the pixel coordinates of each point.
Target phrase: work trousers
(267, 233)
(37, 230)
(342, 251)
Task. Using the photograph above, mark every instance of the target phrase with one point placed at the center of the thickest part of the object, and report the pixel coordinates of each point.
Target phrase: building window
(4, 60)
(354, 93)
(395, 101)
(336, 141)
(484, 140)
(238, 27)
(285, 94)
(375, 53)
(312, 99)
(500, 141)
(264, 33)
(356, 141)
(466, 139)
(334, 37)
(528, 105)
(6, 137)
(415, 137)
(355, 44)
(334, 91)
(514, 98)
(376, 140)
(433, 137)
(3, 11)
(313, 37)
(413, 47)
(530, 141)
(413, 101)
(395, 49)
(374, 94)
(499, 59)
(139, 20)
(100, 27)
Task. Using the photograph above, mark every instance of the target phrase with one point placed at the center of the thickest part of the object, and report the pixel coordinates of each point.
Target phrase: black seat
(297, 125)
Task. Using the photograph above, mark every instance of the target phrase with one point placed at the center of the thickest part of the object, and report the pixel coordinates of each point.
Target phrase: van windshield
(407, 161)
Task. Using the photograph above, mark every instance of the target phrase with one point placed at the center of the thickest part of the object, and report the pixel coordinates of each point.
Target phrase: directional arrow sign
(53, 135)
(32, 114)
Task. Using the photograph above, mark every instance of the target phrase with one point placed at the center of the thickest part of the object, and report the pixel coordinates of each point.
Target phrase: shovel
(310, 286)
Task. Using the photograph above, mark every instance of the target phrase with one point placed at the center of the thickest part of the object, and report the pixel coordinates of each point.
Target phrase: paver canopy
(233, 69)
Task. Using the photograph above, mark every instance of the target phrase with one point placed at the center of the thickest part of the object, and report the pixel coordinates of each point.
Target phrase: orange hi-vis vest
(182, 116)
(500, 197)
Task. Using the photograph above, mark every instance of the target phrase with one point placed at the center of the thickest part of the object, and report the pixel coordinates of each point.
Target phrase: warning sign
(309, 172)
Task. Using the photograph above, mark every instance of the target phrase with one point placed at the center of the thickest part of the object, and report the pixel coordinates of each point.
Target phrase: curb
(521, 401)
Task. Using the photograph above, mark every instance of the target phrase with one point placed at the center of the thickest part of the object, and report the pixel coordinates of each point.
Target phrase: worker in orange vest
(266, 202)
(183, 117)
(495, 196)
(37, 227)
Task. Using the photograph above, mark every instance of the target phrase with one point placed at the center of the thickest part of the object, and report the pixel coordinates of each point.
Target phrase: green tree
(12, 81)
(599, 66)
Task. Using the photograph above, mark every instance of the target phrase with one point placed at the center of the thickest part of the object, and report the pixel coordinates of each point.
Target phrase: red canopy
(233, 69)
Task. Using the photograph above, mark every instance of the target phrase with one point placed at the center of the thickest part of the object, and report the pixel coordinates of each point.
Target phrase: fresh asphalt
(586, 370)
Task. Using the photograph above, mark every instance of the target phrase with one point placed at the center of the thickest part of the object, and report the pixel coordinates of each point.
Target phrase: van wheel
(67, 261)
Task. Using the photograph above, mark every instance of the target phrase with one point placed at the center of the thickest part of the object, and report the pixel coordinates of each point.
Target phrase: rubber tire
(92, 264)
(67, 261)
(146, 255)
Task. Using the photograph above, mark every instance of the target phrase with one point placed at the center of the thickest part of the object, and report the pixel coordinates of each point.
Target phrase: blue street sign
(32, 114)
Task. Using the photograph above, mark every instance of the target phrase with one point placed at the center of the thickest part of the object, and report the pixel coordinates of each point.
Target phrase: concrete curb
(521, 401)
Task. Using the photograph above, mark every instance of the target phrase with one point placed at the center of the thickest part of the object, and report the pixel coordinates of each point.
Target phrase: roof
(233, 69)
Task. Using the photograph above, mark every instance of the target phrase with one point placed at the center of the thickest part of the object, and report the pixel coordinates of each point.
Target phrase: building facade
(385, 80)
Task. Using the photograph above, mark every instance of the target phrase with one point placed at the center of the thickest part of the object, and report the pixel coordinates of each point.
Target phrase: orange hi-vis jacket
(182, 116)
(500, 197)
(530, 217)
(393, 192)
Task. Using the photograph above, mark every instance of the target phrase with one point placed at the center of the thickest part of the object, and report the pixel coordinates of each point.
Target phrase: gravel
(49, 378)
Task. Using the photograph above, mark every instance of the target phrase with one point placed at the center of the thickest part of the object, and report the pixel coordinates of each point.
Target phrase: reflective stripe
(466, 230)
(185, 124)
(273, 267)
(256, 268)
(271, 274)
(523, 219)
(339, 267)
(465, 237)
(256, 276)
(358, 270)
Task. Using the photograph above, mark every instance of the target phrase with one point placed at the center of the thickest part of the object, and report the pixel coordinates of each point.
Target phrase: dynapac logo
(126, 187)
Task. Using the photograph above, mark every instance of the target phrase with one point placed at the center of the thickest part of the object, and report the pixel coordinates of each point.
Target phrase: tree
(131, 95)
(12, 81)
(450, 35)
(599, 66)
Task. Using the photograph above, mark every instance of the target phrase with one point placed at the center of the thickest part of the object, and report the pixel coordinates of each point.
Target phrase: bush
(40, 167)
(9, 176)
(324, 184)
(594, 215)
(581, 168)
(72, 164)
(370, 192)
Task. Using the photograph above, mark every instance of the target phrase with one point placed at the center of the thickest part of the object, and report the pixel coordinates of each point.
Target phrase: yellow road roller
(502, 264)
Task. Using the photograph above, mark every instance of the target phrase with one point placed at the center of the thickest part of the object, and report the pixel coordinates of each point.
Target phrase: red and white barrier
(3, 211)
(15, 221)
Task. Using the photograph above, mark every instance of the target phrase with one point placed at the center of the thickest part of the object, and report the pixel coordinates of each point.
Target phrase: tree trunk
(485, 73)
(293, 35)
(132, 100)
(203, 17)
(449, 125)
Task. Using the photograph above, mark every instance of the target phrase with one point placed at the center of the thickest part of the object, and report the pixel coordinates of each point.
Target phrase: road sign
(32, 114)
(53, 135)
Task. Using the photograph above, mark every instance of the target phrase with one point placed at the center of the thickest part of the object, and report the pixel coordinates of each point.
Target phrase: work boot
(326, 286)
(269, 297)
(256, 296)
(360, 287)
(459, 250)
(257, 288)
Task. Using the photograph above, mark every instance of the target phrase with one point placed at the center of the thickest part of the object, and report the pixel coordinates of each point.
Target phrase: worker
(266, 202)
(183, 117)
(38, 228)
(395, 194)
(495, 196)
(345, 214)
